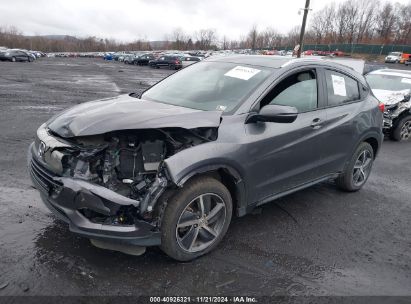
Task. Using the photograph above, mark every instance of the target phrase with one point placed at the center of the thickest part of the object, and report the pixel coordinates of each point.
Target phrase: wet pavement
(319, 241)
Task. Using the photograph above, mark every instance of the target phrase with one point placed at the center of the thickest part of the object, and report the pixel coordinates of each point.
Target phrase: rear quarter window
(341, 88)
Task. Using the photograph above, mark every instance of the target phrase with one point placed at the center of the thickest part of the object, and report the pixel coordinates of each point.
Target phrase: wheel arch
(374, 139)
(374, 144)
(228, 176)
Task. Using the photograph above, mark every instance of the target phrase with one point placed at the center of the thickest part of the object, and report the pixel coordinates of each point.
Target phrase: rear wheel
(402, 131)
(358, 169)
(196, 219)
(13, 59)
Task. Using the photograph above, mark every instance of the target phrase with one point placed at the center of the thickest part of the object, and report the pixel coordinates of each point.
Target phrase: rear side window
(341, 88)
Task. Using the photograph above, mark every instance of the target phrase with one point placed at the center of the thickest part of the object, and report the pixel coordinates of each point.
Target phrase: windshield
(209, 86)
(394, 54)
(388, 82)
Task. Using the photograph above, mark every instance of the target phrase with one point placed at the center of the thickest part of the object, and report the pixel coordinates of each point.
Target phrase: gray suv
(171, 166)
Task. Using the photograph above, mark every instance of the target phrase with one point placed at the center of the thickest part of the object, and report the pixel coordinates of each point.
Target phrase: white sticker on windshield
(339, 85)
(241, 72)
(221, 108)
(406, 80)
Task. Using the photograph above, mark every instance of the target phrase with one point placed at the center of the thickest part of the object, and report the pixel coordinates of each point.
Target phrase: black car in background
(15, 55)
(143, 59)
(172, 62)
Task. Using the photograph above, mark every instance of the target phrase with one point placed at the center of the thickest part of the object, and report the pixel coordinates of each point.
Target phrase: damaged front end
(396, 104)
(107, 186)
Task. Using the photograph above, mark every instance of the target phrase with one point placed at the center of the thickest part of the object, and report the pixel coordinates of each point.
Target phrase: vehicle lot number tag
(339, 85)
(406, 80)
(241, 72)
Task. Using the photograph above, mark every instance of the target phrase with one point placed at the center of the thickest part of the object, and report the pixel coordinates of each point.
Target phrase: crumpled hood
(125, 113)
(390, 97)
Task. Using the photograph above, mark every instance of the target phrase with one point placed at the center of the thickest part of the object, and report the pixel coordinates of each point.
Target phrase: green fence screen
(375, 49)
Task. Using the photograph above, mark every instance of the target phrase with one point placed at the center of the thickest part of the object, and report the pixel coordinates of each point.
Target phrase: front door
(285, 155)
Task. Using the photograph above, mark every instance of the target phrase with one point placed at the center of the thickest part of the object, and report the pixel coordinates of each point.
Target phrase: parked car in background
(172, 62)
(393, 89)
(117, 55)
(143, 59)
(32, 54)
(16, 55)
(393, 57)
(216, 139)
(108, 56)
(405, 57)
(129, 59)
(187, 57)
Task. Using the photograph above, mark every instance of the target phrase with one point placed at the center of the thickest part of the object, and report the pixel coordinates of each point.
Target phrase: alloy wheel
(362, 168)
(201, 222)
(406, 130)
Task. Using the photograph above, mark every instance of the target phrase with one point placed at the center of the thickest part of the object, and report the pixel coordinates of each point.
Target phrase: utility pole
(306, 9)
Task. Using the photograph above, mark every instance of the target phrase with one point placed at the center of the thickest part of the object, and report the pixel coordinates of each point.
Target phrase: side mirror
(274, 113)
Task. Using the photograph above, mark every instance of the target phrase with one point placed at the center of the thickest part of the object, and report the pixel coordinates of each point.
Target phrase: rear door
(164, 61)
(344, 109)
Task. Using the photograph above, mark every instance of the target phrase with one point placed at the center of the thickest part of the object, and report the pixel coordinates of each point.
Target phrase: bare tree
(205, 38)
(322, 23)
(252, 37)
(386, 22)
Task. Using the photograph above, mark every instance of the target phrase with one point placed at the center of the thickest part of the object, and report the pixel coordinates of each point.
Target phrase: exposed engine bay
(127, 162)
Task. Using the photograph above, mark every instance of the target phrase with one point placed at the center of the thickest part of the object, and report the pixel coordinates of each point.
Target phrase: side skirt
(270, 198)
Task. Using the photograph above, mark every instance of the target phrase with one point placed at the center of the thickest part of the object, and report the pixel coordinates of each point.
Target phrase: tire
(30, 59)
(346, 180)
(13, 59)
(201, 236)
(402, 130)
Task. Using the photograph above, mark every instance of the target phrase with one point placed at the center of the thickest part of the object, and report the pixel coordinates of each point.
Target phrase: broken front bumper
(65, 197)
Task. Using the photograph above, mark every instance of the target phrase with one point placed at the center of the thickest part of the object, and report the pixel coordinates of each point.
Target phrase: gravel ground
(315, 242)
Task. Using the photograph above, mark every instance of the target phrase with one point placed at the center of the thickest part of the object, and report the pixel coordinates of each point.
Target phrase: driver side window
(298, 90)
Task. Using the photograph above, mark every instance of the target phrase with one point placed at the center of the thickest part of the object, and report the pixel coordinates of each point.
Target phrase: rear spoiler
(357, 65)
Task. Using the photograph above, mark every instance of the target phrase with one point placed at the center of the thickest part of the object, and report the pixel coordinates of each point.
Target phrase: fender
(182, 166)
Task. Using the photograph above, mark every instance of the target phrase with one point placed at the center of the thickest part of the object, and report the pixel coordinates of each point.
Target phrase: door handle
(316, 123)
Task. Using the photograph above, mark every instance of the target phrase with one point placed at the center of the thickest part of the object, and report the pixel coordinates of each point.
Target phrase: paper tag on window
(221, 108)
(241, 72)
(339, 85)
(406, 80)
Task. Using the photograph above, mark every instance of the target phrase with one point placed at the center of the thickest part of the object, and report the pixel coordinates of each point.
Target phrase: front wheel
(13, 59)
(196, 219)
(358, 169)
(402, 130)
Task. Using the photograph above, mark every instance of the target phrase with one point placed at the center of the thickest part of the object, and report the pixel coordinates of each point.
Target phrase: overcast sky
(127, 20)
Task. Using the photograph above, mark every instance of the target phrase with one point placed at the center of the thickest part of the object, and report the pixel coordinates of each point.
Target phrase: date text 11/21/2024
(204, 299)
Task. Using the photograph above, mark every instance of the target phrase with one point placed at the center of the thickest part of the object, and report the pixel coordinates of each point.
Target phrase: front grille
(43, 177)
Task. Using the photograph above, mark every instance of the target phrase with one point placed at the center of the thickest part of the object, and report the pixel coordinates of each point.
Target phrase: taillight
(381, 106)
(177, 62)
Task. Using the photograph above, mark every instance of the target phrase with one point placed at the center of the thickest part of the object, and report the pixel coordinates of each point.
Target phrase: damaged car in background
(393, 89)
(169, 167)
